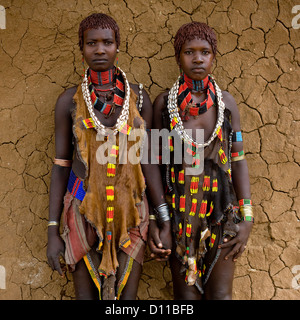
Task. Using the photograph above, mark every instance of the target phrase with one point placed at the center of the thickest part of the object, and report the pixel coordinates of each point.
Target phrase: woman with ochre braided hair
(209, 195)
(105, 211)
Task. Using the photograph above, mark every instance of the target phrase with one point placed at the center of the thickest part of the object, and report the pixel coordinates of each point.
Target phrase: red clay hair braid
(192, 30)
(95, 21)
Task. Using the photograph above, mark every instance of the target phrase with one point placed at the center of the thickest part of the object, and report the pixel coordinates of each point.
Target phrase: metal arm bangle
(246, 211)
(63, 162)
(162, 213)
(53, 223)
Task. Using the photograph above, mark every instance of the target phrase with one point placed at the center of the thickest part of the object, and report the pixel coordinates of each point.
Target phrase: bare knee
(130, 290)
(84, 286)
(221, 293)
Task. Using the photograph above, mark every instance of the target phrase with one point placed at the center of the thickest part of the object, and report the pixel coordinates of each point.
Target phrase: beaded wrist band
(248, 218)
(237, 156)
(63, 162)
(152, 217)
(162, 213)
(246, 210)
(237, 136)
(245, 202)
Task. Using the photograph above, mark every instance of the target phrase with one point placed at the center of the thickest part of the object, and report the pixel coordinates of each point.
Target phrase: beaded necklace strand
(116, 93)
(123, 117)
(185, 100)
(196, 85)
(176, 121)
(103, 77)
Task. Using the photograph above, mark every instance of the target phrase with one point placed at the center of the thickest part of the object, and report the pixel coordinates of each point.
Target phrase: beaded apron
(112, 190)
(201, 205)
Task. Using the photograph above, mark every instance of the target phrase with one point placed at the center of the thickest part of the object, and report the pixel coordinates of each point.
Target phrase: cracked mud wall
(257, 62)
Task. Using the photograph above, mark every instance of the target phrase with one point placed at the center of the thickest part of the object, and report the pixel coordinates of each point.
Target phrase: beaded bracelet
(152, 217)
(237, 136)
(244, 202)
(248, 218)
(247, 215)
(237, 156)
(246, 210)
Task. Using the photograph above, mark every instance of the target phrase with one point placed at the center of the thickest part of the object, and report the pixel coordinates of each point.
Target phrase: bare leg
(131, 287)
(85, 288)
(180, 289)
(219, 284)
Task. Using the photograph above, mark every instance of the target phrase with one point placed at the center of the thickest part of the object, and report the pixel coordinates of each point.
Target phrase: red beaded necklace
(185, 100)
(116, 93)
(102, 78)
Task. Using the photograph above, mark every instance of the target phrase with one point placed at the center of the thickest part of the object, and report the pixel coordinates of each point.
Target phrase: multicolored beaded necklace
(176, 121)
(116, 93)
(185, 100)
(196, 85)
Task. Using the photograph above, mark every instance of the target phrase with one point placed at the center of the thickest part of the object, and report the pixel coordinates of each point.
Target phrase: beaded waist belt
(75, 186)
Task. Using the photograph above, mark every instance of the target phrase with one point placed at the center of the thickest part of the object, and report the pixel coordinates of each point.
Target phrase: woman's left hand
(239, 242)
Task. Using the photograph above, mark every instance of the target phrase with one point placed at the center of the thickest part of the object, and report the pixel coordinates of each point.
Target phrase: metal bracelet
(246, 210)
(162, 213)
(63, 162)
(53, 223)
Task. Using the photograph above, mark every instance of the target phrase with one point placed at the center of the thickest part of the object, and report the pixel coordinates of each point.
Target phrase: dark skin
(99, 51)
(196, 60)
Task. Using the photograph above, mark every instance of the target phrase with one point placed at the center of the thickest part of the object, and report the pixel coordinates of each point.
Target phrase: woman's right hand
(160, 241)
(55, 249)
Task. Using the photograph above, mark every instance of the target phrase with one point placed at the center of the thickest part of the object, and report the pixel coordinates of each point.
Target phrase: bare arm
(154, 189)
(240, 176)
(60, 175)
(160, 241)
(151, 171)
(240, 180)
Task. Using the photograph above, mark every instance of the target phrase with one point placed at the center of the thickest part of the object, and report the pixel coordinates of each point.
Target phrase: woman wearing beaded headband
(206, 236)
(105, 211)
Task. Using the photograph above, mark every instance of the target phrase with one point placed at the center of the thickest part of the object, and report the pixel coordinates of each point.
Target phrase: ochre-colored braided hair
(95, 21)
(192, 30)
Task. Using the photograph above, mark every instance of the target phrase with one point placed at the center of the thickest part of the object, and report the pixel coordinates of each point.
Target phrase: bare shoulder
(135, 88)
(229, 101)
(231, 105)
(65, 101)
(158, 108)
(159, 102)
